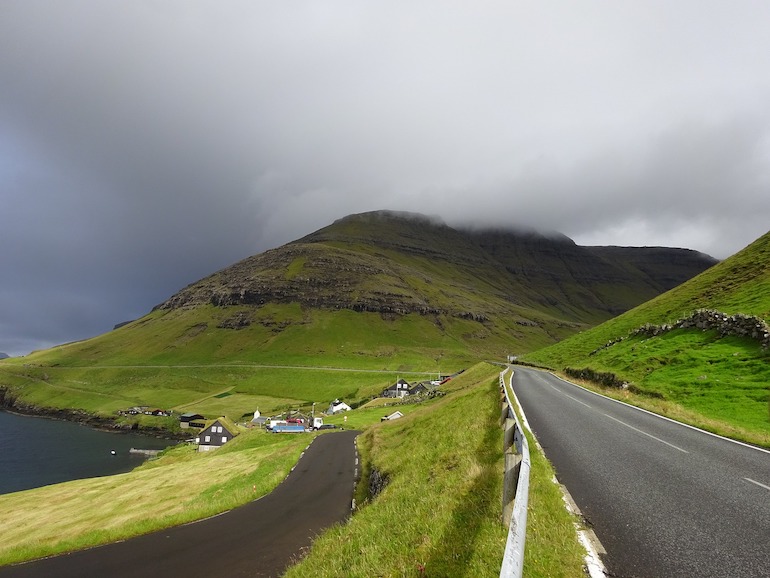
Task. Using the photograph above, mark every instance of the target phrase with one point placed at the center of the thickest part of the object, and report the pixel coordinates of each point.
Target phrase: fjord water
(37, 452)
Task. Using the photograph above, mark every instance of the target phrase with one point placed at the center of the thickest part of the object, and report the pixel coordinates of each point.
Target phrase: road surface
(665, 500)
(256, 540)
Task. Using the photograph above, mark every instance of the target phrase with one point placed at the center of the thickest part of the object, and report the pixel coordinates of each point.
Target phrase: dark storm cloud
(144, 144)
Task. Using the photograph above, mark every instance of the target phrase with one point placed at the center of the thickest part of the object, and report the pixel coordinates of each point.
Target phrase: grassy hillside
(378, 295)
(721, 378)
(441, 509)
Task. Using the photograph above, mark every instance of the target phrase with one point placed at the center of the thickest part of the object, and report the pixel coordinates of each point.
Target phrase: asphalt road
(256, 540)
(665, 500)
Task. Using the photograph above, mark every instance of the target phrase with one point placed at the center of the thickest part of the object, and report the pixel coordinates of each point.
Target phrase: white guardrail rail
(515, 486)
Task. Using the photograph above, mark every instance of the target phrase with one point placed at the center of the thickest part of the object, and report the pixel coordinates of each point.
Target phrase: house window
(224, 439)
(207, 439)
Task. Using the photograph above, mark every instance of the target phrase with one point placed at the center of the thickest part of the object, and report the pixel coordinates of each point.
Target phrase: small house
(397, 390)
(190, 419)
(259, 420)
(216, 434)
(392, 416)
(420, 388)
(337, 406)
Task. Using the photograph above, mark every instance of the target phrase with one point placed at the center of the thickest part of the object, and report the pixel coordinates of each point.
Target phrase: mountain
(4, 355)
(702, 345)
(401, 263)
(384, 291)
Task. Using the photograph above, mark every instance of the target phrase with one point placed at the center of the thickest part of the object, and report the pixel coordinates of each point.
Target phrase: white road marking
(757, 483)
(645, 433)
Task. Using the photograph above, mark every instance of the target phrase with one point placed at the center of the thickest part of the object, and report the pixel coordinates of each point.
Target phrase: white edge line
(757, 483)
(712, 434)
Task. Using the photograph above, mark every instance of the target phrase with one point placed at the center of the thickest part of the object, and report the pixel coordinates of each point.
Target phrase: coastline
(11, 404)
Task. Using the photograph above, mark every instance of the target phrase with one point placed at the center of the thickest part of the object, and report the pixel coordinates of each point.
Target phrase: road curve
(664, 499)
(259, 539)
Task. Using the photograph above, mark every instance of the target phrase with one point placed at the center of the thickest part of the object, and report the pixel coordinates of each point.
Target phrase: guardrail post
(504, 413)
(511, 470)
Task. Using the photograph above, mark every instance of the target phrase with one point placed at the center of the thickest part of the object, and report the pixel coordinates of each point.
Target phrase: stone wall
(738, 325)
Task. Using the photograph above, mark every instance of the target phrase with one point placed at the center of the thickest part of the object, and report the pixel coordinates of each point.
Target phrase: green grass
(440, 514)
(441, 510)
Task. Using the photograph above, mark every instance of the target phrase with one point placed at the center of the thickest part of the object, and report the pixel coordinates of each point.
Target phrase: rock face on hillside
(397, 263)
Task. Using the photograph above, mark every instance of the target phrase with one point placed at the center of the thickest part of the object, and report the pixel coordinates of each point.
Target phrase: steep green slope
(718, 370)
(377, 295)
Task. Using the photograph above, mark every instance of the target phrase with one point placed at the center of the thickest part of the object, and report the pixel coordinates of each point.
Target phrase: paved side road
(257, 540)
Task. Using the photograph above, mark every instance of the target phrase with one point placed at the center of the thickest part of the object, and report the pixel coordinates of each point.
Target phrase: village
(213, 433)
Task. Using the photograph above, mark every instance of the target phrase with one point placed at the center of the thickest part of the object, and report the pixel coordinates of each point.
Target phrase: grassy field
(180, 359)
(440, 512)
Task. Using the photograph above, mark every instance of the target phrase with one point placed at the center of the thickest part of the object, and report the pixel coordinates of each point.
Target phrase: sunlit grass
(181, 486)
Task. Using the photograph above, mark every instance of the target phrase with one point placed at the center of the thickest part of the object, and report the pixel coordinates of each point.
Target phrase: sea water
(38, 451)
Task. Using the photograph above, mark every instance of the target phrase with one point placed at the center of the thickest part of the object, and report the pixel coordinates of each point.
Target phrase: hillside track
(259, 539)
(664, 499)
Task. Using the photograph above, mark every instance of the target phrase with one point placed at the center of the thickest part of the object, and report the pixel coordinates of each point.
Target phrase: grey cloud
(144, 145)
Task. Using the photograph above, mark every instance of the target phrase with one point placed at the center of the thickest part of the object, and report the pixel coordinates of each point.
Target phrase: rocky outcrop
(377, 482)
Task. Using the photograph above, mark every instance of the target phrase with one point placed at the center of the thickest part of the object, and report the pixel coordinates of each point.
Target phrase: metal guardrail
(515, 487)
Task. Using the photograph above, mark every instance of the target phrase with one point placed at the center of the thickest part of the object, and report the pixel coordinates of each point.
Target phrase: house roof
(224, 422)
(191, 415)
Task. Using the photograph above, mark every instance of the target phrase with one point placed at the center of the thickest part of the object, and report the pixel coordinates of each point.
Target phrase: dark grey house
(216, 434)
(398, 389)
(191, 419)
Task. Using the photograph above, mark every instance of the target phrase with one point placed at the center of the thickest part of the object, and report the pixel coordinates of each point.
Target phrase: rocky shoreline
(11, 404)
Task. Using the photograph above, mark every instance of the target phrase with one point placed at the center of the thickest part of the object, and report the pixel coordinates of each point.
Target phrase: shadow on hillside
(452, 554)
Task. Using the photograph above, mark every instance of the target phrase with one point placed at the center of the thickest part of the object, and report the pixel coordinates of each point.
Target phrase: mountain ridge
(338, 266)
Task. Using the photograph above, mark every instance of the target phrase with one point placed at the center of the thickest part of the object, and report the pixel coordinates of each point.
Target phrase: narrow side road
(664, 499)
(259, 539)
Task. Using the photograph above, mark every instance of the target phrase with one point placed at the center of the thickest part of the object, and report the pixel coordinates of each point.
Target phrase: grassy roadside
(678, 412)
(552, 548)
(439, 514)
(181, 486)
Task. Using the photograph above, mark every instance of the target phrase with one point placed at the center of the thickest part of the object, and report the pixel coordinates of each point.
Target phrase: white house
(337, 406)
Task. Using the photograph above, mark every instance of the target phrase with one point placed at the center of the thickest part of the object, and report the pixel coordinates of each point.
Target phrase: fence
(515, 486)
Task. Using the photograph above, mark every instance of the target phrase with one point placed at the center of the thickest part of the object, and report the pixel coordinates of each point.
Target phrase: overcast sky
(146, 144)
